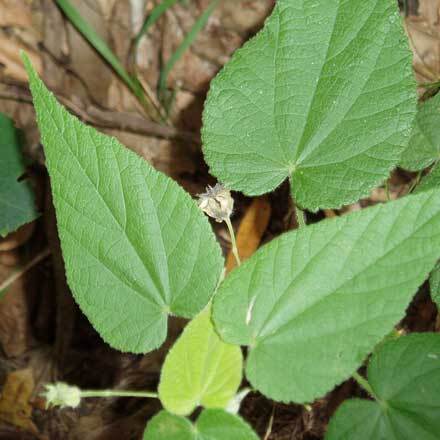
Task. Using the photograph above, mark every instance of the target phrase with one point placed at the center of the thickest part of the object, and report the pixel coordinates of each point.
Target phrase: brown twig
(125, 121)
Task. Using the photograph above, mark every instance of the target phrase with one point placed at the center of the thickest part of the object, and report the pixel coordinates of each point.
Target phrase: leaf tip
(25, 58)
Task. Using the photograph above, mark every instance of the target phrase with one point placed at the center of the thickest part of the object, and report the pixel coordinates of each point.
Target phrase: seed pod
(217, 202)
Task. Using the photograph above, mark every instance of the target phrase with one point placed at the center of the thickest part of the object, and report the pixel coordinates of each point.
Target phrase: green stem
(300, 217)
(117, 393)
(416, 182)
(363, 383)
(387, 189)
(233, 241)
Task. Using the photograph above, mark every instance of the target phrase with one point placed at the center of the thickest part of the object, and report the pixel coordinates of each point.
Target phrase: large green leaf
(16, 198)
(212, 424)
(323, 95)
(200, 369)
(424, 144)
(405, 377)
(136, 246)
(314, 302)
(430, 181)
(434, 284)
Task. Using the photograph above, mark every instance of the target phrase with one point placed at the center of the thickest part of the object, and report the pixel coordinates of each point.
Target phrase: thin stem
(363, 383)
(387, 189)
(233, 241)
(300, 217)
(416, 182)
(117, 393)
(270, 425)
(20, 272)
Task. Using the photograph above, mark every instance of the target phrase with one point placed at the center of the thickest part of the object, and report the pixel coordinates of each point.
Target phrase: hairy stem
(117, 393)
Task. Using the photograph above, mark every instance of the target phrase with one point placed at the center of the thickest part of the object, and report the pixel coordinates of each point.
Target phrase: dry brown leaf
(15, 13)
(330, 213)
(15, 323)
(17, 238)
(15, 408)
(11, 64)
(424, 32)
(251, 230)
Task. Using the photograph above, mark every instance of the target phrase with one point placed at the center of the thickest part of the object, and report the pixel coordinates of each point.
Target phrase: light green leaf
(434, 284)
(16, 198)
(405, 377)
(323, 95)
(212, 424)
(200, 369)
(136, 246)
(424, 144)
(313, 303)
(169, 426)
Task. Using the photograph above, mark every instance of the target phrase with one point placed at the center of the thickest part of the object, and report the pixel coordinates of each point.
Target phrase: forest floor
(43, 335)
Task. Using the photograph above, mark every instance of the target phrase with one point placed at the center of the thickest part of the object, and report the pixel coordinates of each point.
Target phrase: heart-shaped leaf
(16, 198)
(211, 425)
(313, 303)
(424, 144)
(135, 245)
(405, 377)
(324, 95)
(200, 369)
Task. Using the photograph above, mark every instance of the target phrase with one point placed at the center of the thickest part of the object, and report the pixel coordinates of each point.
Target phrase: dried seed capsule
(217, 202)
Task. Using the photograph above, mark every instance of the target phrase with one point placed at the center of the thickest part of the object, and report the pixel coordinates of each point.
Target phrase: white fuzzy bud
(63, 395)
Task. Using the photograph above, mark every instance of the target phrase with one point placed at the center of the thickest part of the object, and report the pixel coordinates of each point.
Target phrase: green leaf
(200, 369)
(323, 95)
(212, 424)
(136, 246)
(405, 377)
(169, 426)
(16, 198)
(424, 144)
(313, 303)
(434, 284)
(430, 181)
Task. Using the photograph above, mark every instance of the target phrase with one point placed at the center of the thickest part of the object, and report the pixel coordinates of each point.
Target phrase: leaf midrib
(121, 229)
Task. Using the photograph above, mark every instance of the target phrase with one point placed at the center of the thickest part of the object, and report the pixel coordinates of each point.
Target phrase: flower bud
(217, 202)
(63, 395)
